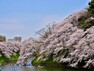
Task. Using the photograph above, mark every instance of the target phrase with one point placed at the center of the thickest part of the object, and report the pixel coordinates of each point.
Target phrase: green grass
(14, 57)
(3, 59)
(47, 61)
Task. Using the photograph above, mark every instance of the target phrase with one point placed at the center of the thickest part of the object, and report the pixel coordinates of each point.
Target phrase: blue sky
(25, 17)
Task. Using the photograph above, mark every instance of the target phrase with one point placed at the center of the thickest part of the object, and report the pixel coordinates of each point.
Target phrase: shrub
(91, 7)
(85, 22)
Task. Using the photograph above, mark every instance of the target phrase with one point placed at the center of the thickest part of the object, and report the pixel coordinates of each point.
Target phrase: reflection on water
(13, 67)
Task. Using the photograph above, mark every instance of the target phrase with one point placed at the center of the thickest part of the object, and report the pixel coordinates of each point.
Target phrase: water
(14, 67)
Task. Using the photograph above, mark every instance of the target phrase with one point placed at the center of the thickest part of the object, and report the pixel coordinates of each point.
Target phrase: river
(13, 67)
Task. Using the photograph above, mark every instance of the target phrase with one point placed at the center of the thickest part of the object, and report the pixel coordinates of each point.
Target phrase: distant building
(18, 38)
(2, 38)
(11, 40)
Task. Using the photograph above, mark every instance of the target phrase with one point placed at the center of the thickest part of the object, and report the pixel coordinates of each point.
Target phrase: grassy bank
(45, 62)
(13, 57)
